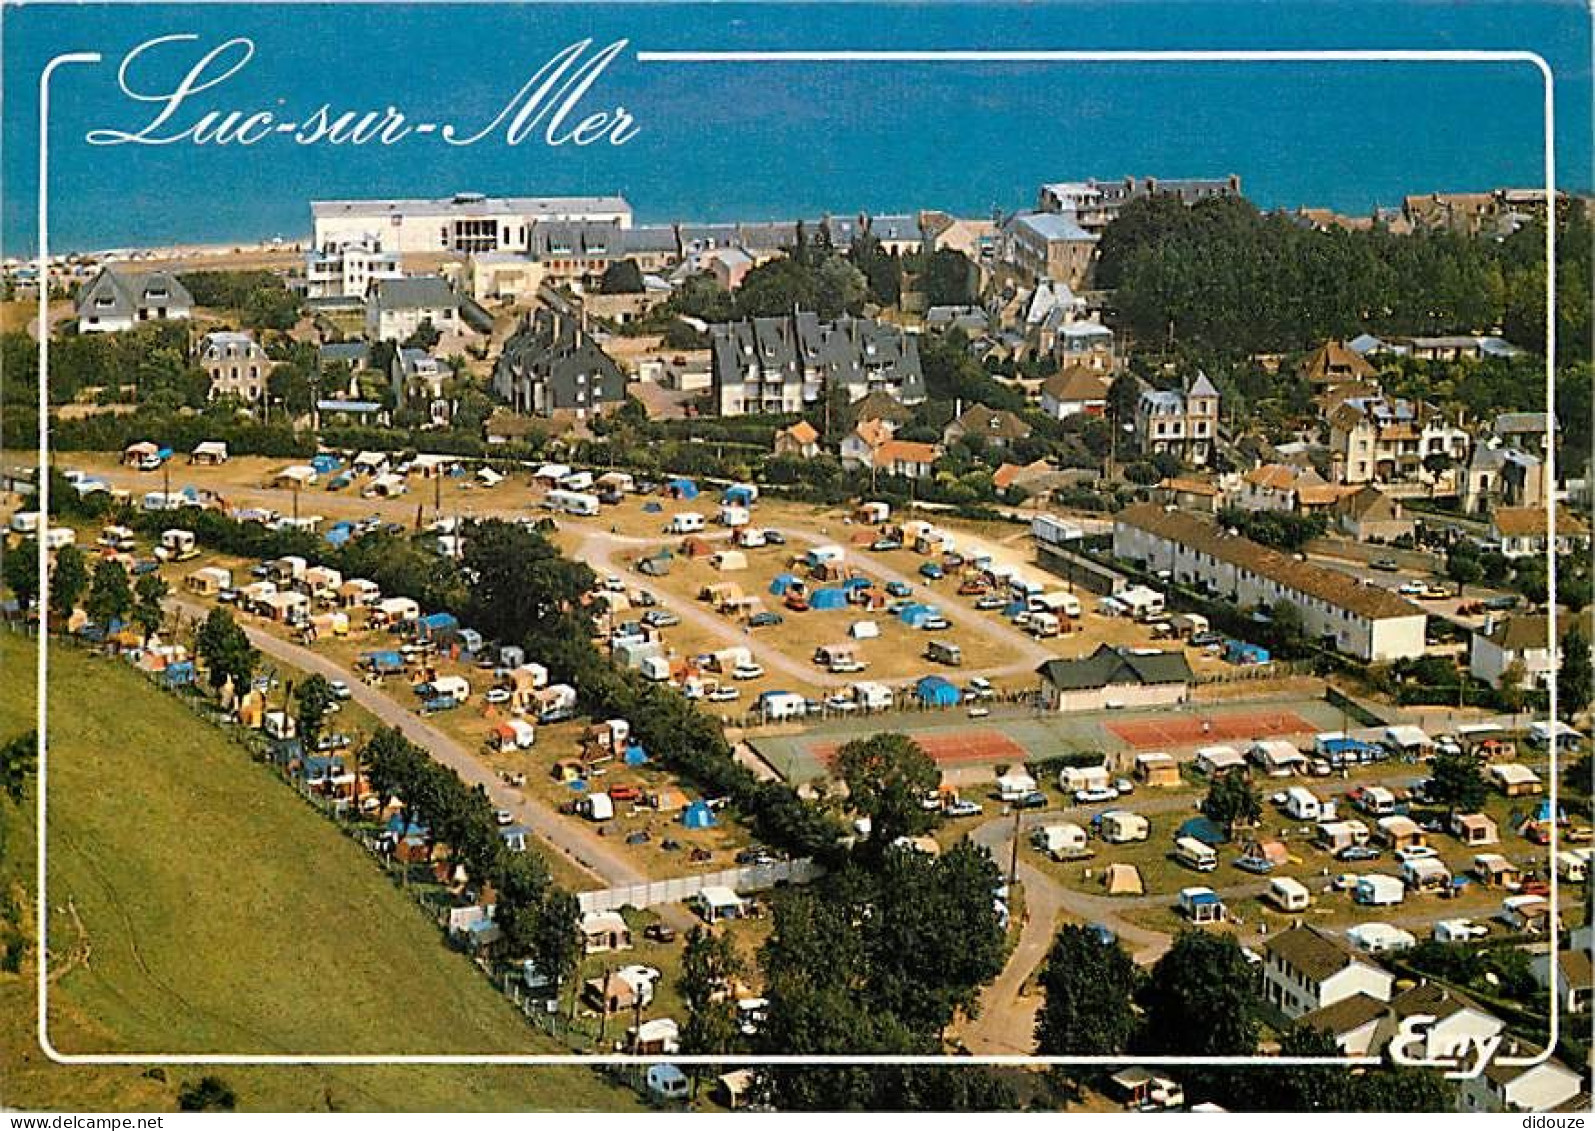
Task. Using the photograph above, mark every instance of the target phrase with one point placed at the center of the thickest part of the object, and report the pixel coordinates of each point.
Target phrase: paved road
(587, 851)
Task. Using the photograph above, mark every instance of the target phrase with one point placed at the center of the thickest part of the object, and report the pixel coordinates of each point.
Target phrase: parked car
(979, 688)
(1385, 565)
(765, 620)
(660, 618)
(644, 599)
(1094, 796)
(1125, 786)
(1035, 799)
(340, 689)
(755, 855)
(774, 538)
(962, 808)
(881, 545)
(991, 601)
(1357, 852)
(723, 694)
(747, 671)
(659, 933)
(935, 624)
(930, 571)
(979, 712)
(1416, 852)
(1206, 639)
(496, 695)
(898, 588)
(1502, 603)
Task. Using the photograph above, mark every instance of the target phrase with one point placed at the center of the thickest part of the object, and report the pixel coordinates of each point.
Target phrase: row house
(1049, 245)
(1095, 204)
(1379, 439)
(466, 223)
(348, 267)
(788, 364)
(551, 367)
(1362, 620)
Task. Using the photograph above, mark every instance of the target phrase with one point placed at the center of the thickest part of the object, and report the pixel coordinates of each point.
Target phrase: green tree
(622, 277)
(19, 759)
(1200, 999)
(313, 699)
(1457, 781)
(888, 777)
(225, 650)
(148, 594)
(20, 568)
(69, 577)
(110, 596)
(1089, 986)
(710, 967)
(210, 1093)
(948, 278)
(1573, 675)
(557, 942)
(1462, 565)
(1232, 800)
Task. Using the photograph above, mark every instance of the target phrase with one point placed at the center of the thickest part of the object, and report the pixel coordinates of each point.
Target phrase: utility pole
(1013, 856)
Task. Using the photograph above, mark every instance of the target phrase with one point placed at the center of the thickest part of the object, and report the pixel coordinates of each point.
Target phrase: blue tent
(698, 815)
(738, 496)
(828, 599)
(1013, 609)
(1204, 830)
(1543, 813)
(651, 508)
(935, 691)
(340, 533)
(857, 583)
(782, 582)
(178, 673)
(682, 489)
(1240, 652)
(325, 464)
(915, 615)
(636, 755)
(436, 625)
(383, 661)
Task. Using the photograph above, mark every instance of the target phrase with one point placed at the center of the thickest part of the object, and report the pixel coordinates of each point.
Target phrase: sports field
(198, 905)
(1011, 735)
(1183, 730)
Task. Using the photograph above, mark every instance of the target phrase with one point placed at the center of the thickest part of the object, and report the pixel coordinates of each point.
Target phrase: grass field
(199, 906)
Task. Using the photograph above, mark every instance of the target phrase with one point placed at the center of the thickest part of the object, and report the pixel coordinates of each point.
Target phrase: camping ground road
(583, 848)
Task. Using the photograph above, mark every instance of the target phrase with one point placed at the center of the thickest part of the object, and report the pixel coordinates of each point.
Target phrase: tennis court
(946, 748)
(1187, 730)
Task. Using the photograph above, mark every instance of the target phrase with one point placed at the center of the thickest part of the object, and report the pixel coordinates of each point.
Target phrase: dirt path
(587, 851)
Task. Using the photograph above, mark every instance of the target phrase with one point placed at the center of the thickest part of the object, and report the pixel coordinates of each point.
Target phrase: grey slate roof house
(552, 366)
(110, 302)
(1115, 677)
(397, 307)
(786, 364)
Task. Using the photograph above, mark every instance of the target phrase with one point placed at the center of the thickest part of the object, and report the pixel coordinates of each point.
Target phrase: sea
(730, 140)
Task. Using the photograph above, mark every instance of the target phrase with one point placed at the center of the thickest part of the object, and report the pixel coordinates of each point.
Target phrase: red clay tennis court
(1188, 730)
(950, 749)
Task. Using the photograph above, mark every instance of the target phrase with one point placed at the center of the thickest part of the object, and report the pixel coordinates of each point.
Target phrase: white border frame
(824, 57)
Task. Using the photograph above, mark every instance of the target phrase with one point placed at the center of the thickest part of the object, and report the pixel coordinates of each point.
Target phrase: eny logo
(1420, 1043)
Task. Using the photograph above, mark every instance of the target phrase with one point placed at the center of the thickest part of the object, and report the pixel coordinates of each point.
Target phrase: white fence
(754, 877)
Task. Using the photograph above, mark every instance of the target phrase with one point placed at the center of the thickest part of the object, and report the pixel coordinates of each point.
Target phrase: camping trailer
(1194, 854)
(1288, 894)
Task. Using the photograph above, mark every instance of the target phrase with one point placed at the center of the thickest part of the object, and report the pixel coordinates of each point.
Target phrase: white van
(1288, 894)
(1194, 854)
(687, 522)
